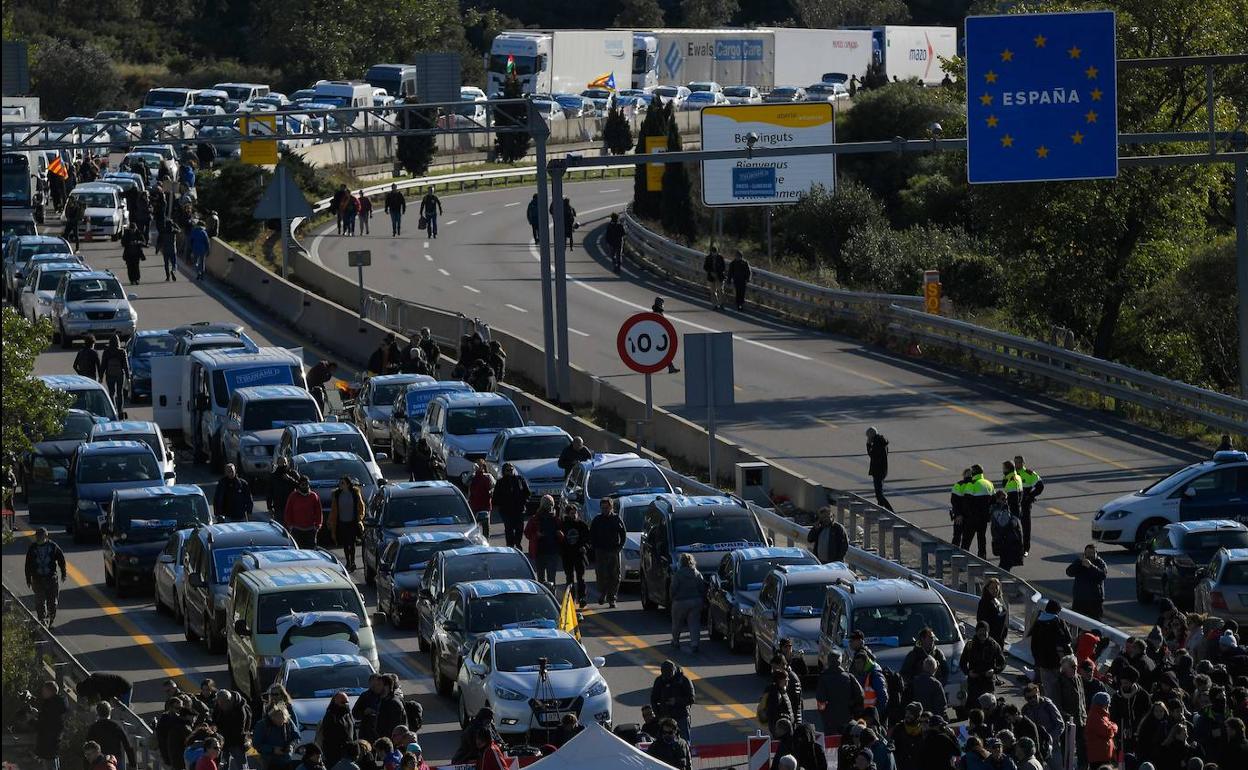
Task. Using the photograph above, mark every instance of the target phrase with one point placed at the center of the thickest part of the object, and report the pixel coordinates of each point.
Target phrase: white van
(243, 92)
(344, 93)
(170, 98)
(192, 393)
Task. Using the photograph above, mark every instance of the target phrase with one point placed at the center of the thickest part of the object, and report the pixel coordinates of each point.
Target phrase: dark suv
(1167, 564)
(137, 528)
(708, 531)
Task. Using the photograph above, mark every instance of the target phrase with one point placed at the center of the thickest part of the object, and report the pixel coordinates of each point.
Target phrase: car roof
(96, 187)
(430, 537)
(517, 634)
(154, 333)
(301, 575)
(207, 327)
(114, 447)
(450, 385)
(315, 428)
(93, 274)
(49, 267)
(623, 459)
(286, 556)
(325, 660)
(37, 239)
(871, 591)
(246, 356)
(389, 379)
(804, 574)
(480, 589)
(465, 398)
(317, 457)
(70, 382)
(477, 550)
(418, 488)
(236, 533)
(717, 509)
(259, 392)
(769, 552)
(1206, 525)
(534, 430)
(124, 426)
(177, 490)
(1236, 554)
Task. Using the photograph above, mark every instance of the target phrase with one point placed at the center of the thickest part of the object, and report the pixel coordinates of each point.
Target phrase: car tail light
(1217, 601)
(407, 596)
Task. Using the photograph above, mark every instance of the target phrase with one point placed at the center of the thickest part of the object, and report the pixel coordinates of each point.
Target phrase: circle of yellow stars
(1007, 56)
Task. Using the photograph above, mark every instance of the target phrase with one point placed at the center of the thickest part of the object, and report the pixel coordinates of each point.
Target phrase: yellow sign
(654, 171)
(568, 620)
(258, 151)
(931, 297)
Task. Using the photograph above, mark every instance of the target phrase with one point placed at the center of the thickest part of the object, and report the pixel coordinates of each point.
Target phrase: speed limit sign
(647, 343)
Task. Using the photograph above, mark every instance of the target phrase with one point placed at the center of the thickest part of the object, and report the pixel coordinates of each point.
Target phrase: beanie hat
(1101, 699)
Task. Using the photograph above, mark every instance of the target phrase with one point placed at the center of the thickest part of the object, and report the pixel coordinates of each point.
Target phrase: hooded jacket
(838, 696)
(688, 585)
(1049, 640)
(336, 731)
(511, 494)
(1099, 734)
(672, 696)
(350, 530)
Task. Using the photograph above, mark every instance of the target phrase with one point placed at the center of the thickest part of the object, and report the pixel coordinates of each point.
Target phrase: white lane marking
(515, 308)
(577, 332)
(474, 291)
(443, 272)
(509, 205)
(315, 253)
(601, 208)
(611, 190)
(474, 214)
(426, 244)
(428, 258)
(450, 222)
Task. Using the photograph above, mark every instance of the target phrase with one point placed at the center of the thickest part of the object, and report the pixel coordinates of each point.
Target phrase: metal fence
(904, 317)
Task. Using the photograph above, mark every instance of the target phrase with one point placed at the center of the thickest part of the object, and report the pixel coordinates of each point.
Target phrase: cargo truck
(913, 52)
(764, 58)
(559, 61)
(645, 60)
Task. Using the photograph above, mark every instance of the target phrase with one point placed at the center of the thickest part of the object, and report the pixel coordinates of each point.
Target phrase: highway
(128, 637)
(804, 398)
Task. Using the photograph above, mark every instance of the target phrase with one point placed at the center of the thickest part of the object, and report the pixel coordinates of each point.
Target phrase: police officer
(957, 504)
(977, 500)
(1033, 486)
(1012, 484)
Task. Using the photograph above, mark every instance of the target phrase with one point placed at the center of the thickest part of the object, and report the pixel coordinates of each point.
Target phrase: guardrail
(904, 316)
(60, 666)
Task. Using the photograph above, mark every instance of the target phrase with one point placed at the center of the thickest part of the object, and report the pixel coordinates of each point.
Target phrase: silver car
(374, 404)
(169, 574)
(1222, 590)
(91, 302)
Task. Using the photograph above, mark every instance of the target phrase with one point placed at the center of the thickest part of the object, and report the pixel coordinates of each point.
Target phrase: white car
(1213, 489)
(710, 86)
(91, 302)
(104, 213)
(504, 669)
(743, 95)
(785, 94)
(677, 94)
(169, 577)
(35, 299)
(826, 92)
(138, 430)
(534, 452)
(699, 99)
(312, 680)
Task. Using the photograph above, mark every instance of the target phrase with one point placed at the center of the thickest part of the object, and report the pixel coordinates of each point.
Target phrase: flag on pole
(606, 81)
(567, 615)
(511, 64)
(57, 167)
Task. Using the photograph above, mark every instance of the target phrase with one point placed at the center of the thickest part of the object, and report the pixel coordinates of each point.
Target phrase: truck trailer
(913, 52)
(559, 61)
(764, 58)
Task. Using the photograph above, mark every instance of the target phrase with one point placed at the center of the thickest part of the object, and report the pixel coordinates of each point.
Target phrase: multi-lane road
(803, 398)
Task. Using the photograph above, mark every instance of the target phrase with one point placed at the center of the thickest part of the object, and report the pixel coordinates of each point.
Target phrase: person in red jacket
(544, 539)
(303, 514)
(492, 757)
(481, 495)
(1099, 733)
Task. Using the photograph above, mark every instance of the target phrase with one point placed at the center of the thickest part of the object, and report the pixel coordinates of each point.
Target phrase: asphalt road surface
(803, 398)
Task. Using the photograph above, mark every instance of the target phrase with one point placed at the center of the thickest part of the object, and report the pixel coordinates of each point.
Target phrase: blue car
(408, 416)
(142, 347)
(137, 528)
(100, 468)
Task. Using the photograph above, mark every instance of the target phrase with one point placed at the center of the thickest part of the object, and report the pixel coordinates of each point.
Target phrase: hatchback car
(17, 253)
(313, 680)
(460, 427)
(100, 468)
(471, 609)
(531, 678)
(401, 571)
(168, 574)
(415, 506)
(374, 404)
(784, 95)
(743, 95)
(35, 298)
(789, 606)
(91, 302)
(732, 590)
(138, 527)
(142, 348)
(534, 452)
(461, 565)
(44, 471)
(104, 213)
(328, 437)
(407, 417)
(705, 531)
(138, 430)
(1223, 588)
(88, 394)
(611, 475)
(1167, 565)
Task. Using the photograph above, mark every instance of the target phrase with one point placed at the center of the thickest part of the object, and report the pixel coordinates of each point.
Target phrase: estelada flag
(606, 81)
(511, 64)
(58, 168)
(567, 615)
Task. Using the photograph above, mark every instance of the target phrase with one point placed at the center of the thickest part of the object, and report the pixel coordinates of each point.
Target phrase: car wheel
(161, 609)
(392, 614)
(462, 710)
(370, 576)
(76, 531)
(108, 578)
(215, 641)
(396, 456)
(1147, 531)
(190, 633)
(441, 683)
(1143, 595)
(734, 635)
(421, 643)
(711, 630)
(66, 341)
(761, 667)
(216, 459)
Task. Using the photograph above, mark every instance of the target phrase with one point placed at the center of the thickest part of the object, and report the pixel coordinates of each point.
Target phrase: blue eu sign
(753, 183)
(1041, 97)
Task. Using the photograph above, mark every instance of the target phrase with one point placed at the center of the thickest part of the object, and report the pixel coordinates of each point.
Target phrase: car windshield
(803, 601)
(147, 519)
(93, 288)
(634, 517)
(1168, 484)
(488, 566)
(223, 558)
(388, 393)
(416, 555)
(522, 655)
(48, 279)
(637, 480)
(750, 574)
(1208, 542)
(737, 91)
(596, 93)
(27, 250)
(715, 532)
(95, 401)
(193, 346)
(428, 510)
(492, 613)
(150, 158)
(77, 426)
(96, 200)
(114, 467)
(156, 345)
(348, 676)
(276, 604)
(534, 447)
(699, 87)
(323, 470)
(146, 438)
(278, 413)
(469, 420)
(702, 96)
(897, 625)
(1235, 574)
(666, 91)
(165, 99)
(334, 442)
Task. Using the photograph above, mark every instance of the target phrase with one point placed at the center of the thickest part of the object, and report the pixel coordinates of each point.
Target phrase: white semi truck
(645, 60)
(559, 61)
(913, 52)
(764, 58)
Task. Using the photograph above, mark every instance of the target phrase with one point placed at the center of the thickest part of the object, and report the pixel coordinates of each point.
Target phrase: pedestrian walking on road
(50, 725)
(608, 535)
(688, 592)
(1007, 533)
(877, 451)
(1033, 487)
(838, 695)
(531, 214)
(957, 505)
(335, 204)
(739, 273)
(977, 505)
(115, 367)
(775, 706)
(981, 661)
(142, 216)
(132, 253)
(433, 352)
(573, 548)
(87, 361)
(303, 514)
(658, 307)
(350, 210)
(232, 499)
(511, 496)
(365, 207)
(110, 738)
(542, 532)
(73, 217)
(346, 520)
(716, 270)
(828, 539)
(614, 238)
(337, 729)
(396, 207)
(1050, 641)
(430, 210)
(274, 739)
(481, 495)
(1088, 592)
(672, 696)
(44, 559)
(232, 716)
(569, 220)
(167, 244)
(200, 244)
(282, 481)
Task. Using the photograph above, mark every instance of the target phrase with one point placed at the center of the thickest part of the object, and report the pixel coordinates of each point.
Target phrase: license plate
(549, 717)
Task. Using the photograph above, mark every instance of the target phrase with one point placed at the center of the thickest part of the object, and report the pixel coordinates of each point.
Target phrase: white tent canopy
(595, 746)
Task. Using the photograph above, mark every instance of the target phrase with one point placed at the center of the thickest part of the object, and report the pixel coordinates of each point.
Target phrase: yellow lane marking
(149, 645)
(931, 464)
(1037, 437)
(722, 698)
(1060, 512)
(977, 415)
(827, 423)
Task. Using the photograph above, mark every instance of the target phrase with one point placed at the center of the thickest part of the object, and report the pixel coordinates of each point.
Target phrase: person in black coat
(716, 272)
(877, 452)
(50, 723)
(670, 747)
(828, 539)
(981, 662)
(337, 729)
(87, 361)
(994, 611)
(172, 728)
(672, 695)
(390, 711)
(1088, 593)
(111, 737)
(423, 464)
(573, 547)
(739, 274)
(232, 716)
(282, 481)
(511, 496)
(574, 453)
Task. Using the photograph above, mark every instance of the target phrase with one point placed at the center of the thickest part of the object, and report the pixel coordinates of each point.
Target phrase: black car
(44, 471)
(1168, 564)
(474, 562)
(138, 527)
(141, 348)
(401, 569)
(708, 530)
(414, 506)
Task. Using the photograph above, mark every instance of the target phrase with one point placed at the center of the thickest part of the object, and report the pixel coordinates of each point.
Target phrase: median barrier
(287, 300)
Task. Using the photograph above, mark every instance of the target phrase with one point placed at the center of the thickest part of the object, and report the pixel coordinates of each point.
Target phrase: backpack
(415, 715)
(895, 686)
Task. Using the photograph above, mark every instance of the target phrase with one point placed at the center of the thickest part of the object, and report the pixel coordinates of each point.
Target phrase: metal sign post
(709, 381)
(360, 260)
(282, 200)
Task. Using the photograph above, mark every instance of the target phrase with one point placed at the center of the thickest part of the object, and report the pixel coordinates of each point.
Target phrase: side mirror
(1189, 493)
(240, 627)
(476, 669)
(599, 661)
(382, 457)
(170, 475)
(132, 297)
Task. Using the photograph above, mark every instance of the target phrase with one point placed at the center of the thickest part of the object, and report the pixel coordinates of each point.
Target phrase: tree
(818, 226)
(617, 132)
(73, 81)
(827, 14)
(511, 146)
(708, 14)
(233, 190)
(415, 151)
(31, 409)
(642, 14)
(676, 200)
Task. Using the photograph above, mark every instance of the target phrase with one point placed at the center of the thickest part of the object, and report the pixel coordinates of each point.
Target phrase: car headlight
(377, 423)
(123, 314)
(77, 315)
(1115, 515)
(506, 694)
(269, 661)
(596, 689)
(629, 553)
(257, 450)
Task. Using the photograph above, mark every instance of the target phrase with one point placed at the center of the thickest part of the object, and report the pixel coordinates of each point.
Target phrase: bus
(21, 186)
